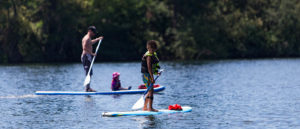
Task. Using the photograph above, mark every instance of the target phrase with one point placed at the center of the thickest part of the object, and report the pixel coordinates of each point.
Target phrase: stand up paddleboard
(139, 91)
(146, 113)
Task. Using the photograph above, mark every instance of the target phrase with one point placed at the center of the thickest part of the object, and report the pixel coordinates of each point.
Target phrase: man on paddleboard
(87, 52)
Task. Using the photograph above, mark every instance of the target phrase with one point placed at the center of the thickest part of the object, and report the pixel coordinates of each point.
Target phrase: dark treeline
(51, 30)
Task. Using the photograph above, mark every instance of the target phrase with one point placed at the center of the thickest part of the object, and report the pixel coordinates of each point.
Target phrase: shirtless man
(87, 52)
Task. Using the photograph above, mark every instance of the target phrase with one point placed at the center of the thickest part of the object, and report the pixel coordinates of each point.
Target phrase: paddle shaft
(94, 57)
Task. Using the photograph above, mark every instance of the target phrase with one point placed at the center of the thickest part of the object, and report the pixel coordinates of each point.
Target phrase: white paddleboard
(138, 91)
(145, 113)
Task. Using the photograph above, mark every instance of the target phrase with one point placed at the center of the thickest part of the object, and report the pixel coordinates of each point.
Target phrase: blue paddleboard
(146, 113)
(139, 91)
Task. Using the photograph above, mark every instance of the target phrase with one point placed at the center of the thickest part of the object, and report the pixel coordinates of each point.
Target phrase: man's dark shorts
(86, 60)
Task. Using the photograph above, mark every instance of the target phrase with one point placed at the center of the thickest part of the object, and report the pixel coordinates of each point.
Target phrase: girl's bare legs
(146, 99)
(151, 101)
(146, 102)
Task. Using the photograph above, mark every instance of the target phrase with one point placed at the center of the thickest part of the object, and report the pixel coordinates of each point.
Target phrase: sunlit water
(223, 94)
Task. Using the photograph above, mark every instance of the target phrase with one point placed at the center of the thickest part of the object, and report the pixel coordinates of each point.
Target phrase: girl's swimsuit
(146, 78)
(154, 65)
(115, 85)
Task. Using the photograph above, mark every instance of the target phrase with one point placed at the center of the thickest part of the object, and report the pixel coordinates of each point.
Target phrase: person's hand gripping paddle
(88, 76)
(140, 103)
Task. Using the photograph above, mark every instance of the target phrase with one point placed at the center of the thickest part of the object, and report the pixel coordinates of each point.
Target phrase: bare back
(87, 47)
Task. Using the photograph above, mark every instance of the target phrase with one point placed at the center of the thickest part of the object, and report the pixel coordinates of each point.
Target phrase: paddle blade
(139, 104)
(87, 80)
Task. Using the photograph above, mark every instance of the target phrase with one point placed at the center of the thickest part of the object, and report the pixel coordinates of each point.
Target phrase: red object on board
(144, 87)
(175, 107)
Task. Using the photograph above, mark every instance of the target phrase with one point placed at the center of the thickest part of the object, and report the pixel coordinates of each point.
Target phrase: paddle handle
(94, 57)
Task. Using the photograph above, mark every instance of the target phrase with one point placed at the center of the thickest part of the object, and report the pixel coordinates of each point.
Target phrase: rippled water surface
(223, 94)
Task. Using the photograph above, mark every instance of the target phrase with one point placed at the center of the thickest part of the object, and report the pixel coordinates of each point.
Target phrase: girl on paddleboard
(150, 66)
(116, 83)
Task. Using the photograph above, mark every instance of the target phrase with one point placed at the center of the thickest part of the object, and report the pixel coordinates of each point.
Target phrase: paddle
(140, 103)
(88, 76)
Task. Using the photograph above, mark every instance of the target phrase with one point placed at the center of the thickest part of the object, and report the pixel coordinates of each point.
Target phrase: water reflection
(151, 122)
(116, 96)
(146, 122)
(88, 98)
(89, 102)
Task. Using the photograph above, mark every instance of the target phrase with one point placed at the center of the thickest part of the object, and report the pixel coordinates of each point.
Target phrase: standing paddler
(87, 52)
(150, 66)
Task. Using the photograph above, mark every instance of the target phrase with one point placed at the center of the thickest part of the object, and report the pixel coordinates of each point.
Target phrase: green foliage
(51, 30)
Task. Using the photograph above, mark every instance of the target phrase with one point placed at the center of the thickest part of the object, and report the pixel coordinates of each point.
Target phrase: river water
(262, 93)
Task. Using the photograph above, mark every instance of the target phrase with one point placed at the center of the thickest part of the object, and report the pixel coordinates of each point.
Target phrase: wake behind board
(139, 91)
(146, 113)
